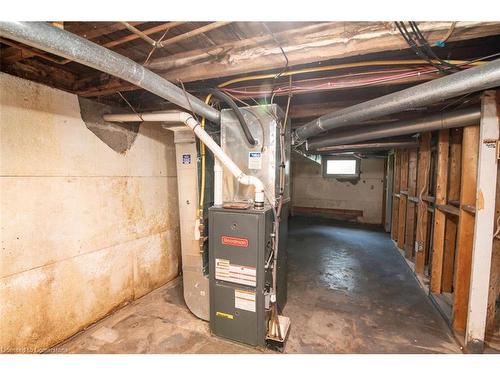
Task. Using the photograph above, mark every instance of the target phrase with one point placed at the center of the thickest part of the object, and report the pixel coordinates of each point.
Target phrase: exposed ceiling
(206, 54)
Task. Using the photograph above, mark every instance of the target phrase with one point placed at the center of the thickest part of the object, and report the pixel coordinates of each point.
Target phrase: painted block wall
(84, 229)
(311, 189)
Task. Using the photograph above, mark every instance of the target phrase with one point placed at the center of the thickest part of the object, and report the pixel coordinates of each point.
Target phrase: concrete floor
(349, 292)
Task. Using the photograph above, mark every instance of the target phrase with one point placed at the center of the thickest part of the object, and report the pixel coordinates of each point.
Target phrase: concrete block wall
(311, 189)
(84, 229)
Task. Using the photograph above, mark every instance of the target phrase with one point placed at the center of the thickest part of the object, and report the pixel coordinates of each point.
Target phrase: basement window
(341, 167)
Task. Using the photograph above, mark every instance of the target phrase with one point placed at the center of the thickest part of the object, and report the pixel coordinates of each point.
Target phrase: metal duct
(371, 146)
(467, 81)
(455, 119)
(63, 43)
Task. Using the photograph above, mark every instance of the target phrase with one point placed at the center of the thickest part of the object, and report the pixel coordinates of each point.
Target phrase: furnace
(247, 241)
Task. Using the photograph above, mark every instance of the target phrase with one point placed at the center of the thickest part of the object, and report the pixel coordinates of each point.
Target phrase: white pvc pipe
(190, 121)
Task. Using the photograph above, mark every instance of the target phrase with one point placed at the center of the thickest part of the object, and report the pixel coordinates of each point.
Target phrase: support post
(465, 231)
(403, 198)
(423, 175)
(395, 199)
(440, 216)
(389, 186)
(410, 206)
(451, 220)
(483, 228)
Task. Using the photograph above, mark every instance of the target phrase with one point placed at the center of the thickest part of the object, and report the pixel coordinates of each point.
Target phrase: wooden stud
(452, 221)
(403, 199)
(395, 197)
(440, 216)
(465, 231)
(424, 166)
(410, 205)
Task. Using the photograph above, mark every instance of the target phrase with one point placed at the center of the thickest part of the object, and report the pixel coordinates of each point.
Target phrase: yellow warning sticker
(224, 315)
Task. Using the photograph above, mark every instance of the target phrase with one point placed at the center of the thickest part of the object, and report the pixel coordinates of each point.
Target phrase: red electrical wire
(332, 83)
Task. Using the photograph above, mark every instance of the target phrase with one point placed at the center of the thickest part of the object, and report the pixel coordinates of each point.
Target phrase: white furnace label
(254, 160)
(235, 273)
(244, 300)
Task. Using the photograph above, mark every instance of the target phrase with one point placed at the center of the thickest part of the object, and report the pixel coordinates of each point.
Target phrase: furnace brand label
(235, 273)
(244, 300)
(234, 241)
(254, 160)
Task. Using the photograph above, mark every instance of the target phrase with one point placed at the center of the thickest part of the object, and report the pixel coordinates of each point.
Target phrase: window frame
(354, 176)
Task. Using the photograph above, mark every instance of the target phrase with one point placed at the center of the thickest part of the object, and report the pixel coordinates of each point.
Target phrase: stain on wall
(84, 228)
(311, 189)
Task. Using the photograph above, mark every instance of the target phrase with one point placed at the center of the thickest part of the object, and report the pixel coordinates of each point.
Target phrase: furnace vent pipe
(474, 79)
(49, 38)
(186, 118)
(455, 119)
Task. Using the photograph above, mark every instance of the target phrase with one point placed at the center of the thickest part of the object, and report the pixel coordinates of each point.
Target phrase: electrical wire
(285, 68)
(428, 48)
(409, 40)
(441, 43)
(130, 105)
(305, 71)
(422, 48)
(338, 82)
(155, 47)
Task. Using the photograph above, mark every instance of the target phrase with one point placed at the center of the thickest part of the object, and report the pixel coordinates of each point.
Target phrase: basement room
(218, 185)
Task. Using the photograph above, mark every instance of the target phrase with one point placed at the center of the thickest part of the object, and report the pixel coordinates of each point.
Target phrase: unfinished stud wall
(361, 200)
(84, 229)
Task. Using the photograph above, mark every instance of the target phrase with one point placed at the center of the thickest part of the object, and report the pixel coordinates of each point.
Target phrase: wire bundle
(419, 44)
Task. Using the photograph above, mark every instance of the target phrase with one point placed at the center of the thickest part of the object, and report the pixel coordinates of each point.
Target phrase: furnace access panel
(240, 247)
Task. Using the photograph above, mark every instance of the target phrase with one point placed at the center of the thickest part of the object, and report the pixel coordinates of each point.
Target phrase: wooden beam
(465, 231)
(403, 199)
(439, 216)
(19, 52)
(312, 43)
(410, 205)
(396, 196)
(452, 221)
(151, 30)
(192, 33)
(328, 212)
(34, 70)
(99, 31)
(423, 174)
(484, 223)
